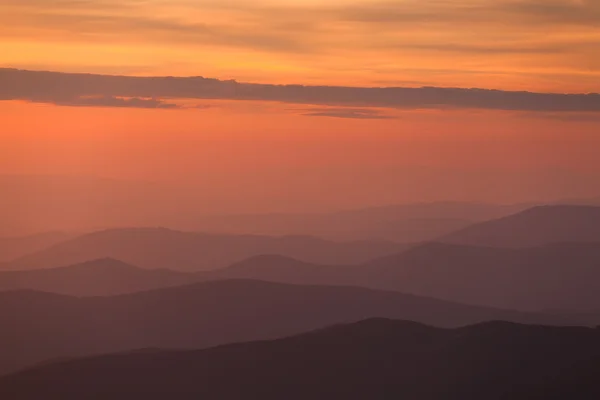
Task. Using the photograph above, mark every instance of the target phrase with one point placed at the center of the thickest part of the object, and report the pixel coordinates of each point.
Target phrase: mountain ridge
(534, 226)
(375, 358)
(47, 326)
(154, 248)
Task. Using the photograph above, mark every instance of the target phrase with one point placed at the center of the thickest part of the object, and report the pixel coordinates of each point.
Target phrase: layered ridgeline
(12, 247)
(533, 227)
(547, 276)
(543, 258)
(102, 277)
(552, 277)
(557, 276)
(40, 203)
(553, 263)
(191, 251)
(405, 223)
(44, 326)
(373, 359)
(560, 276)
(165, 248)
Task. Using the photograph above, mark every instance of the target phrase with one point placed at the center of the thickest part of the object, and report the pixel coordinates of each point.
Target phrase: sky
(307, 104)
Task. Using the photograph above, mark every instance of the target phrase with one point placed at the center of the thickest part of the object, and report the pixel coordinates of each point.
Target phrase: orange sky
(547, 46)
(166, 144)
(541, 45)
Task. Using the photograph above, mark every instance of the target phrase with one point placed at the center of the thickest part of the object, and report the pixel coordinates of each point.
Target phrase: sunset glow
(343, 52)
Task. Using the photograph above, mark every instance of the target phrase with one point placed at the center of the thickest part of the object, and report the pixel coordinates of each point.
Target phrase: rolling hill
(157, 248)
(15, 247)
(558, 276)
(533, 227)
(107, 277)
(103, 277)
(552, 276)
(405, 223)
(375, 359)
(44, 326)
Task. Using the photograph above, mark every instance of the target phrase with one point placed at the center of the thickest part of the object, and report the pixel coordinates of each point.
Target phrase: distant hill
(276, 268)
(157, 248)
(560, 276)
(15, 247)
(406, 223)
(39, 203)
(533, 227)
(557, 276)
(551, 276)
(44, 326)
(373, 359)
(102, 277)
(107, 276)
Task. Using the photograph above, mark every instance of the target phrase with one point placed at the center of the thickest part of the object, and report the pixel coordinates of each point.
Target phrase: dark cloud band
(60, 88)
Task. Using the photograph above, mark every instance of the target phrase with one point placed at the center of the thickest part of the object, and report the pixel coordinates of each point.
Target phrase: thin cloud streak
(310, 42)
(54, 87)
(112, 101)
(351, 113)
(567, 117)
(307, 28)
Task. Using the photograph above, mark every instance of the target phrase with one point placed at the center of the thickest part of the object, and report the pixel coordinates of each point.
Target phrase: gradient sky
(338, 126)
(541, 45)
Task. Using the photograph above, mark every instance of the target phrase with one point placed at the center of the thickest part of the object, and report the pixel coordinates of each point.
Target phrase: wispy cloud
(112, 101)
(535, 44)
(518, 26)
(475, 12)
(347, 112)
(297, 26)
(567, 116)
(53, 87)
